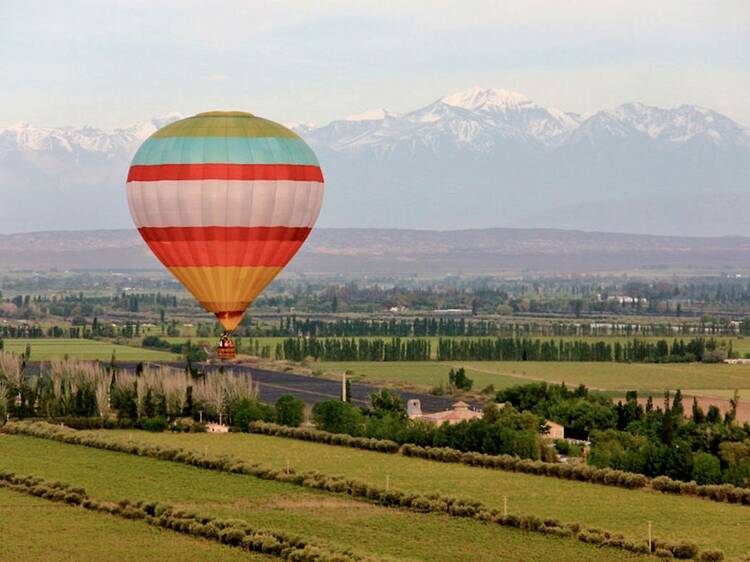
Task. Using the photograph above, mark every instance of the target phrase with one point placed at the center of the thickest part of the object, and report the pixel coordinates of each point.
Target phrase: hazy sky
(110, 64)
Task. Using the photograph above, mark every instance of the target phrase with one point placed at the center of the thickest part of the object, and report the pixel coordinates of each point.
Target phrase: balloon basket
(226, 349)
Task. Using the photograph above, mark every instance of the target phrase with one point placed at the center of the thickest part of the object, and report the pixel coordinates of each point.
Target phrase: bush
(459, 380)
(155, 424)
(155, 342)
(336, 416)
(245, 411)
(684, 550)
(290, 411)
(711, 556)
(706, 469)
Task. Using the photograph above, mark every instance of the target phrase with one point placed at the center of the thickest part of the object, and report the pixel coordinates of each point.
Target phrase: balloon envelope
(224, 200)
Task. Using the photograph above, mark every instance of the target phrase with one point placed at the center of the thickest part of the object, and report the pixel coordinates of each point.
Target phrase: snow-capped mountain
(470, 115)
(482, 157)
(69, 177)
(488, 157)
(475, 120)
(80, 139)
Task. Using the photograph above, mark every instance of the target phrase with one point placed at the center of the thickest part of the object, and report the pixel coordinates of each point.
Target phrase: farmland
(43, 349)
(596, 375)
(327, 518)
(35, 529)
(716, 379)
(626, 511)
(115, 322)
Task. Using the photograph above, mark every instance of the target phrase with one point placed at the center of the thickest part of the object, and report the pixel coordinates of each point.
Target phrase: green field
(597, 375)
(419, 374)
(37, 529)
(324, 517)
(43, 349)
(719, 525)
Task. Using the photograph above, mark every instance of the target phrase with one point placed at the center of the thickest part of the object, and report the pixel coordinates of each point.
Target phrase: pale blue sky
(110, 64)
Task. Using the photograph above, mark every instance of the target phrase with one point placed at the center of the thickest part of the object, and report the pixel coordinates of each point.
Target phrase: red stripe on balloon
(223, 233)
(224, 246)
(163, 172)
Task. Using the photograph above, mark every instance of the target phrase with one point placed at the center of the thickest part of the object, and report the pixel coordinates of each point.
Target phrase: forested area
(648, 439)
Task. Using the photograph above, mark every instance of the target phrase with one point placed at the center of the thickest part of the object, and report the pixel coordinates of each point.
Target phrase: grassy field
(322, 516)
(421, 374)
(37, 529)
(49, 348)
(607, 376)
(624, 376)
(718, 525)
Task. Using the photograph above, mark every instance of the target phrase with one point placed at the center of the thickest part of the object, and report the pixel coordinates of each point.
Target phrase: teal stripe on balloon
(225, 150)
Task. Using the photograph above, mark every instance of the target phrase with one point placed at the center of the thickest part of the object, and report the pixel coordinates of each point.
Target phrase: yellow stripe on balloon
(225, 289)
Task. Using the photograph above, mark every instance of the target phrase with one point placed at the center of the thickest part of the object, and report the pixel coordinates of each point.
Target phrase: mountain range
(478, 158)
(359, 252)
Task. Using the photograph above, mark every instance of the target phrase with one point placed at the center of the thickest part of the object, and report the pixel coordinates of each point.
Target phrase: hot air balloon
(224, 200)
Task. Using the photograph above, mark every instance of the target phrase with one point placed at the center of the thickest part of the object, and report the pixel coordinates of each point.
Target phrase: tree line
(345, 349)
(534, 349)
(292, 326)
(502, 349)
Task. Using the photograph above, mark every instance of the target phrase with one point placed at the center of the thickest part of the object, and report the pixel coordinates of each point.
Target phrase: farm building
(460, 411)
(556, 431)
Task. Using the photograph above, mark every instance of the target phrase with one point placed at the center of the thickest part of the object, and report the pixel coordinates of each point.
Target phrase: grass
(502, 374)
(37, 529)
(321, 516)
(420, 374)
(625, 376)
(49, 348)
(710, 524)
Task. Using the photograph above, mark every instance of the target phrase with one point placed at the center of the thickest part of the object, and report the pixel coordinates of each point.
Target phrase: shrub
(458, 379)
(590, 537)
(155, 424)
(246, 410)
(706, 468)
(290, 411)
(711, 556)
(336, 416)
(684, 550)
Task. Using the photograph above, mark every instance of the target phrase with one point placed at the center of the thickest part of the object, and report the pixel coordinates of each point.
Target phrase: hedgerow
(578, 472)
(583, 473)
(319, 436)
(430, 503)
(232, 532)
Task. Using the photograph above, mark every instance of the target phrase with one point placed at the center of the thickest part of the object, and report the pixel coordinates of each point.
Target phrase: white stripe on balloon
(225, 203)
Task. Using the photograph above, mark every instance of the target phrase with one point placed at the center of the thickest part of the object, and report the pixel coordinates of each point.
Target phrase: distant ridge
(469, 159)
(400, 252)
